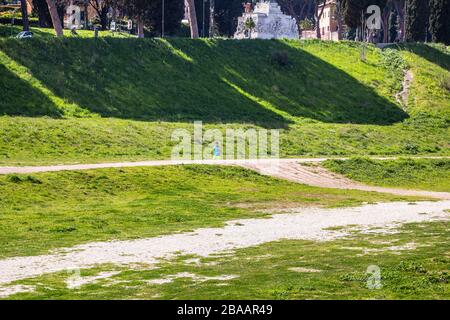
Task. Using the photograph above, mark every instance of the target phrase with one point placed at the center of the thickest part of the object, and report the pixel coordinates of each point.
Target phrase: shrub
(280, 58)
(14, 179)
(392, 60)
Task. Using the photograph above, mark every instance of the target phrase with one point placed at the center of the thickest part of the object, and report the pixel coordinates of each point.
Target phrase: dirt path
(320, 177)
(296, 170)
(403, 96)
(158, 163)
(302, 223)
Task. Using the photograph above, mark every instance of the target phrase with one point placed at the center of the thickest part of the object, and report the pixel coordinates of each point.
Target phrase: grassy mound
(173, 80)
(323, 97)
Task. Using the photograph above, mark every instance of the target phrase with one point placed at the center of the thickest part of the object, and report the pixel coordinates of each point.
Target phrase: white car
(24, 35)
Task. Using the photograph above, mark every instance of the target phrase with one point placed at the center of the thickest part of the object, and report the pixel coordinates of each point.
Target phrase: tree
(101, 7)
(55, 18)
(174, 10)
(192, 18)
(355, 11)
(319, 15)
(136, 9)
(148, 14)
(40, 8)
(393, 26)
(416, 20)
(24, 10)
(301, 10)
(226, 16)
(399, 6)
(440, 21)
(212, 22)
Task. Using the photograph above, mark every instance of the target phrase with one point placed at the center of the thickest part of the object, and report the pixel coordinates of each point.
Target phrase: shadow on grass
(19, 98)
(429, 52)
(215, 81)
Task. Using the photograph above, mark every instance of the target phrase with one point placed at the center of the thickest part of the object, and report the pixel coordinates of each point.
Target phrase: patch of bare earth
(320, 177)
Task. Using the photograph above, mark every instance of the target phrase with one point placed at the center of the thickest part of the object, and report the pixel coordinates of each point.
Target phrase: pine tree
(416, 20)
(440, 21)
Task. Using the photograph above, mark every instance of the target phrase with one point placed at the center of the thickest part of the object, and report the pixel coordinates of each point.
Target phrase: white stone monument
(266, 21)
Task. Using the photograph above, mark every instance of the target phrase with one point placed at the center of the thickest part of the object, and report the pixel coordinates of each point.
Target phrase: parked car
(24, 35)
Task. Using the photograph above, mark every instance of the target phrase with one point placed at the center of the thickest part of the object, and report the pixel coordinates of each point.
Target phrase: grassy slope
(51, 210)
(426, 174)
(263, 272)
(327, 102)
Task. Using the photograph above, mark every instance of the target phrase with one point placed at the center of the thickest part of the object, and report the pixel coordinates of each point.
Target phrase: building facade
(328, 23)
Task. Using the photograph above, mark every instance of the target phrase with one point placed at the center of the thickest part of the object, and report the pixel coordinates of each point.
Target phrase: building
(265, 21)
(329, 23)
(15, 5)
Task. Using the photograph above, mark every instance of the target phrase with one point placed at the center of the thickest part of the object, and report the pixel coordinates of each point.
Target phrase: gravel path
(305, 223)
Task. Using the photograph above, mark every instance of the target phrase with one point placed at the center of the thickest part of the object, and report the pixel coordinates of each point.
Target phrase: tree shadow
(306, 87)
(429, 52)
(19, 98)
(221, 81)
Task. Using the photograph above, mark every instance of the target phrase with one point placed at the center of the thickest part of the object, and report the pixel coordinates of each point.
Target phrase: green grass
(49, 210)
(263, 272)
(66, 100)
(426, 174)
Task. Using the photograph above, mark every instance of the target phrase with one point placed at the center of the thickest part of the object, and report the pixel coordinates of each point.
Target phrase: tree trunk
(140, 28)
(24, 9)
(86, 14)
(385, 21)
(55, 18)
(339, 20)
(212, 24)
(400, 8)
(318, 17)
(104, 18)
(192, 18)
(41, 8)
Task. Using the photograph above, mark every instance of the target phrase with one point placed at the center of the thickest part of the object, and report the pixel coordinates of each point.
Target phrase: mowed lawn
(44, 211)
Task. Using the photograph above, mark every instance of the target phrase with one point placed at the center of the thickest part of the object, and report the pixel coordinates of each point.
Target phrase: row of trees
(402, 20)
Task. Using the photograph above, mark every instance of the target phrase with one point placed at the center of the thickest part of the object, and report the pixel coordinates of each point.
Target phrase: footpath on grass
(295, 170)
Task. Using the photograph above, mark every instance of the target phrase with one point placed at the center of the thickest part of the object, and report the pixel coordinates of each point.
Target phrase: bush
(280, 58)
(393, 61)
